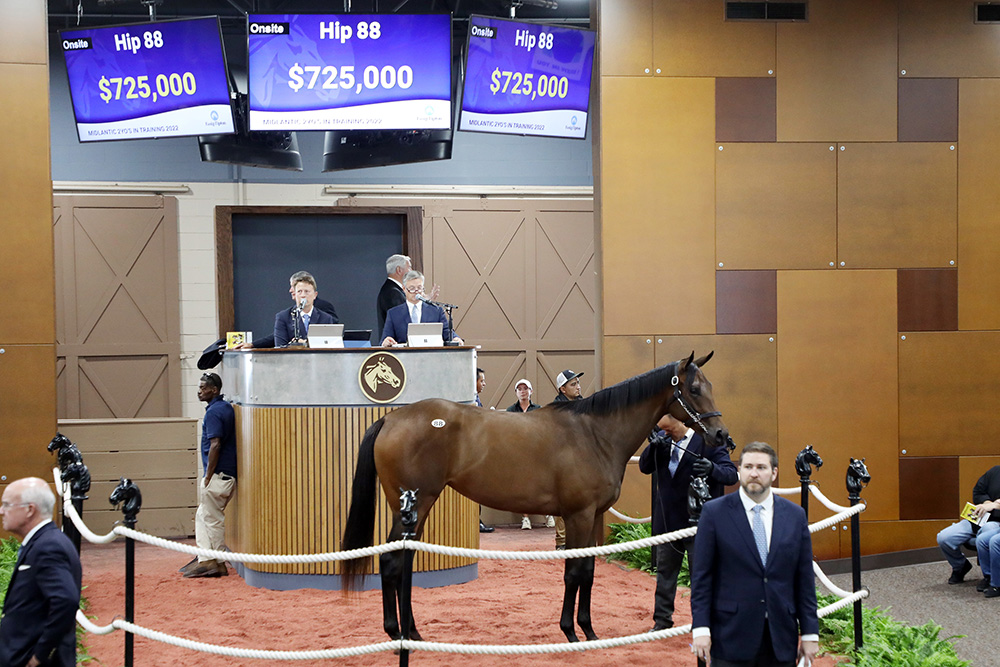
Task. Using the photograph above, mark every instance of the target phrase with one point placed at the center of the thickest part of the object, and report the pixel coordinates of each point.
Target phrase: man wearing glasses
(415, 309)
(38, 626)
(218, 457)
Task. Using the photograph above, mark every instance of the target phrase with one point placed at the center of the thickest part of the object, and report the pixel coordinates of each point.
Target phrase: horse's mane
(622, 395)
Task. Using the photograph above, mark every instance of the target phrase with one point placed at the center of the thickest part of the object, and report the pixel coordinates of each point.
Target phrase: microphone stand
(447, 308)
(296, 340)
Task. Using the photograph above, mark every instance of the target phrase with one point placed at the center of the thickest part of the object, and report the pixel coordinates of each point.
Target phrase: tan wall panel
(93, 435)
(27, 410)
(659, 195)
(625, 357)
(825, 543)
(837, 373)
(879, 537)
(26, 214)
(960, 370)
(898, 205)
(979, 202)
(626, 43)
(837, 73)
(938, 38)
(970, 469)
(691, 38)
(634, 498)
(23, 24)
(776, 206)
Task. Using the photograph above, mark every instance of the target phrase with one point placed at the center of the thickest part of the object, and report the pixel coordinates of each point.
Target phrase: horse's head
(857, 476)
(385, 374)
(692, 402)
(805, 459)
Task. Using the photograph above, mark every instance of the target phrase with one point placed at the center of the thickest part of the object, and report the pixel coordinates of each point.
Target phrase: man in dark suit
(296, 320)
(39, 611)
(675, 455)
(398, 318)
(391, 294)
(752, 590)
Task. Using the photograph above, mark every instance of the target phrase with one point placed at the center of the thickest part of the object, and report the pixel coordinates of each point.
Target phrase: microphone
(302, 303)
(440, 304)
(423, 298)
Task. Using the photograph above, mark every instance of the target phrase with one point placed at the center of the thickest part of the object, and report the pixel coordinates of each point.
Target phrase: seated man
(986, 496)
(399, 317)
(293, 324)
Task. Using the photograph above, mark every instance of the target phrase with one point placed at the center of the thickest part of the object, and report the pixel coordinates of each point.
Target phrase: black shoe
(992, 592)
(483, 528)
(661, 626)
(958, 576)
(983, 585)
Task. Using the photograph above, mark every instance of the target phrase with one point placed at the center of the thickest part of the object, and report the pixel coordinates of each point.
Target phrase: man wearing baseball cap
(524, 404)
(568, 389)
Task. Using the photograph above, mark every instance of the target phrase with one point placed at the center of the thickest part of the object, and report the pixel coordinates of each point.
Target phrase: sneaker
(958, 576)
(550, 521)
(525, 523)
(992, 592)
(208, 568)
(983, 585)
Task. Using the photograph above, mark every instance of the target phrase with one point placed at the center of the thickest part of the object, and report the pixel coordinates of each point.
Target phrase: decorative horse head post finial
(698, 495)
(804, 461)
(857, 479)
(128, 494)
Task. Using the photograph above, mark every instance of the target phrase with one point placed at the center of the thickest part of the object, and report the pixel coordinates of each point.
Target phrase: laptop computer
(326, 335)
(358, 338)
(425, 334)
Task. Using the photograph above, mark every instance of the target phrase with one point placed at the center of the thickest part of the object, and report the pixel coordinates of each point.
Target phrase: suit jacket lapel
(742, 526)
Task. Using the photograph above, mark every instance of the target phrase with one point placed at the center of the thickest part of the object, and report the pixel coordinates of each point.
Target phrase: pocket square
(23, 567)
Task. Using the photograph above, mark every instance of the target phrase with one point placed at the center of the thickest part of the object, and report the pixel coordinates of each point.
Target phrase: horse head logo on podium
(382, 377)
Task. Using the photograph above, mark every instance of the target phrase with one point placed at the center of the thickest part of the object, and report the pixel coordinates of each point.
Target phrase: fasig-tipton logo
(271, 28)
(78, 44)
(484, 31)
(382, 377)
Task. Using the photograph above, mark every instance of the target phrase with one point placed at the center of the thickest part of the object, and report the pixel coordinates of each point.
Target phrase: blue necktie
(759, 536)
(414, 317)
(305, 321)
(675, 459)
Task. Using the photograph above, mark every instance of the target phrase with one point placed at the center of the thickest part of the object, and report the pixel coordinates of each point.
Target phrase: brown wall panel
(825, 543)
(837, 370)
(837, 73)
(626, 43)
(879, 537)
(22, 33)
(970, 469)
(897, 205)
(916, 476)
(959, 373)
(691, 38)
(658, 201)
(626, 356)
(939, 38)
(928, 299)
(928, 109)
(26, 214)
(776, 206)
(746, 302)
(979, 203)
(745, 109)
(27, 409)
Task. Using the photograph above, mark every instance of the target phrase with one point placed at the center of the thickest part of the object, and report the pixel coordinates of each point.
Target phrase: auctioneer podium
(300, 418)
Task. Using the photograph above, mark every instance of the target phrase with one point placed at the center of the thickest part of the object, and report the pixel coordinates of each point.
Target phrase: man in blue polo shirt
(218, 457)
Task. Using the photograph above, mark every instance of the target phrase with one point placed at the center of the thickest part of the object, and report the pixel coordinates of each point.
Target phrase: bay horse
(566, 459)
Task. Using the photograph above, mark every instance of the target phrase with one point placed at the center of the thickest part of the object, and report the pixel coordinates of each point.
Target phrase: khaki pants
(560, 532)
(209, 520)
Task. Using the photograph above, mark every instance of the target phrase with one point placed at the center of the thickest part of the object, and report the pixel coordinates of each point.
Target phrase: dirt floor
(515, 602)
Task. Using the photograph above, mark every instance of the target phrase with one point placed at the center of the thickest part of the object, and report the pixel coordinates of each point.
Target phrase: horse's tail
(360, 527)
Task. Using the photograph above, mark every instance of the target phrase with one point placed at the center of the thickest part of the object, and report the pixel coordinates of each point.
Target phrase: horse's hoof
(591, 637)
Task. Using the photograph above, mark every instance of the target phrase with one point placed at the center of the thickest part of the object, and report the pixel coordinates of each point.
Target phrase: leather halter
(694, 417)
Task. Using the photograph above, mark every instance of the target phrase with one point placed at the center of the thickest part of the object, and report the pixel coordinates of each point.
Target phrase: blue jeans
(954, 536)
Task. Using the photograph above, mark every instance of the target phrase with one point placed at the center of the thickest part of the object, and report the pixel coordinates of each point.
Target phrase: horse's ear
(704, 360)
(687, 362)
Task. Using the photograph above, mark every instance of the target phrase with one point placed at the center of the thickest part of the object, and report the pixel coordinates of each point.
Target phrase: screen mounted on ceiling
(148, 80)
(349, 71)
(527, 78)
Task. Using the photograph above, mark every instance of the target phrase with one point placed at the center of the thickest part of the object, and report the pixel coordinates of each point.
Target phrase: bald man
(39, 611)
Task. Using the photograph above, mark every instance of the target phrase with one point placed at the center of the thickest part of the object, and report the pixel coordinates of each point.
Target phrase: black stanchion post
(73, 471)
(857, 478)
(128, 494)
(804, 462)
(408, 515)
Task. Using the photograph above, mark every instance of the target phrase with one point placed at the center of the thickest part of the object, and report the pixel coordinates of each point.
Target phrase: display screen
(148, 80)
(527, 78)
(349, 71)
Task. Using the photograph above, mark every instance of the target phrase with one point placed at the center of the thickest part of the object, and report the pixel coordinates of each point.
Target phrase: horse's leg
(586, 586)
(391, 571)
(571, 579)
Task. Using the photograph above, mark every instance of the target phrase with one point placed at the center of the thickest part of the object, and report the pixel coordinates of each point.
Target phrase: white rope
(837, 518)
(628, 519)
(70, 511)
(829, 585)
(840, 604)
(830, 505)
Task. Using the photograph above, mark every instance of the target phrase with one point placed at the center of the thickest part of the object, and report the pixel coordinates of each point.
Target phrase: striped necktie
(759, 536)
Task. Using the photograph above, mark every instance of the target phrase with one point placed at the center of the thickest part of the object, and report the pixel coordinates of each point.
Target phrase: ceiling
(68, 14)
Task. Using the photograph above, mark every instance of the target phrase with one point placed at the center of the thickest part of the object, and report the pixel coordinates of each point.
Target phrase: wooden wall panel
(745, 109)
(928, 299)
(658, 200)
(626, 356)
(956, 370)
(928, 109)
(776, 206)
(26, 312)
(970, 469)
(825, 543)
(938, 38)
(746, 302)
(916, 476)
(837, 373)
(626, 43)
(837, 73)
(879, 537)
(897, 205)
(27, 409)
(979, 202)
(22, 35)
(744, 381)
(691, 38)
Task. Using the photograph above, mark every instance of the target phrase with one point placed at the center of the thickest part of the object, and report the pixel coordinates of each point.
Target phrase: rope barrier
(628, 519)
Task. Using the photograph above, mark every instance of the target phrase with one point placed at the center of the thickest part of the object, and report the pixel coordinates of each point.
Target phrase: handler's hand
(808, 650)
(389, 341)
(700, 646)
